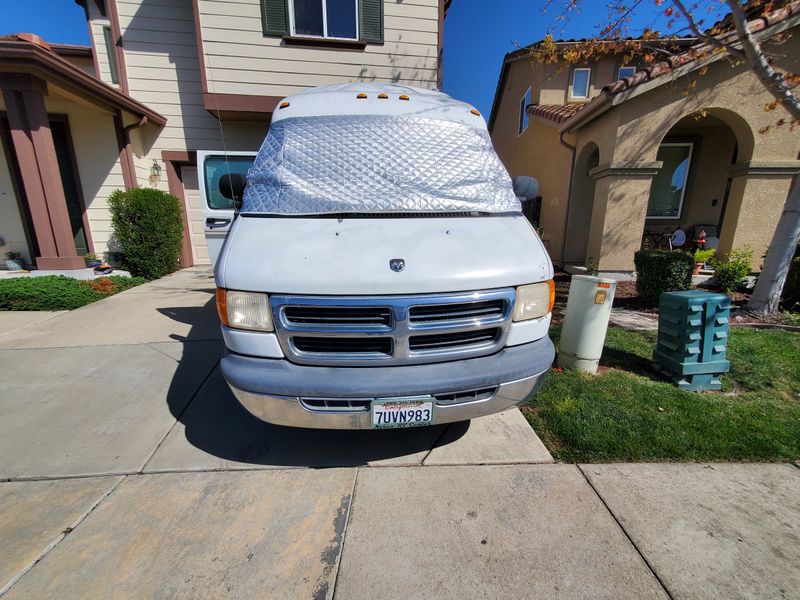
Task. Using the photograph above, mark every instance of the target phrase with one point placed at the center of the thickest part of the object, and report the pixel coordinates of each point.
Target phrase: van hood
(351, 256)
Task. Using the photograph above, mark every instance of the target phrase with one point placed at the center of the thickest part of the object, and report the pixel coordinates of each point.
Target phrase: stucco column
(621, 192)
(39, 172)
(755, 203)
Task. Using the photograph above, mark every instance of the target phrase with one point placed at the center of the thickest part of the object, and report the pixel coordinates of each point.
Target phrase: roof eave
(20, 55)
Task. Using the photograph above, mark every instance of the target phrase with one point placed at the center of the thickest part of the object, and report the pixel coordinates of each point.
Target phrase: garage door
(194, 214)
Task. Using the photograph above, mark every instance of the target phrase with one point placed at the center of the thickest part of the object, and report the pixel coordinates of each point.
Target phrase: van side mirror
(231, 186)
(525, 187)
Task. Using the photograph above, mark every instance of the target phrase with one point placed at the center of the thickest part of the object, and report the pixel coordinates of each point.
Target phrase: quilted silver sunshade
(376, 164)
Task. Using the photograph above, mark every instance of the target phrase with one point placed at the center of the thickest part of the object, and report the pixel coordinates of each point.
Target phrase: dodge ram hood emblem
(397, 264)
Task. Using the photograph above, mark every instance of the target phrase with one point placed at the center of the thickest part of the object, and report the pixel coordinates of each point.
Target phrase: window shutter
(370, 21)
(274, 17)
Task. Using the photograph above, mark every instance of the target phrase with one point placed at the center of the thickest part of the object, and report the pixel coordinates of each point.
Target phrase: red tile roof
(554, 112)
(699, 51)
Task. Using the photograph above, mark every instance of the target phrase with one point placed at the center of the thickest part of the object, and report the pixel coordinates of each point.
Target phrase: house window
(112, 55)
(580, 82)
(625, 71)
(324, 18)
(524, 103)
(669, 186)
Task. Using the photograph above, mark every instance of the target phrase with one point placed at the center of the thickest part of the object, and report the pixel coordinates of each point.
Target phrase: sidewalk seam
(344, 534)
(179, 416)
(58, 314)
(625, 533)
(70, 528)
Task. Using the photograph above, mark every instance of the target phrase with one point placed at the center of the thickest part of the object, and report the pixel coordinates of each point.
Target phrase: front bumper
(272, 389)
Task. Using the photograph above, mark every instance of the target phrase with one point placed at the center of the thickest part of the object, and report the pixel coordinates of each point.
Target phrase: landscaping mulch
(626, 297)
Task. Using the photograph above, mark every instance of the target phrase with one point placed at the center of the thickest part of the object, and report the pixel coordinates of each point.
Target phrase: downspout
(125, 148)
(572, 149)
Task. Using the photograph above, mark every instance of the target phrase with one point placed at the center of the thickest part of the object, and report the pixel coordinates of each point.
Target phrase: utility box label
(600, 297)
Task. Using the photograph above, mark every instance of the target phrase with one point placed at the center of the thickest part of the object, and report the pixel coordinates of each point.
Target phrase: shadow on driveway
(217, 424)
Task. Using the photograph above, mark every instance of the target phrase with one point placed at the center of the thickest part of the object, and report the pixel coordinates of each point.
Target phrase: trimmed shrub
(659, 271)
(57, 292)
(148, 226)
(732, 270)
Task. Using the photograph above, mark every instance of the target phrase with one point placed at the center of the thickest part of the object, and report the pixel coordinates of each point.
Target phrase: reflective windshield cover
(377, 164)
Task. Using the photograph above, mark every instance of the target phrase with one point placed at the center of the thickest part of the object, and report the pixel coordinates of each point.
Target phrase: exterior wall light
(155, 173)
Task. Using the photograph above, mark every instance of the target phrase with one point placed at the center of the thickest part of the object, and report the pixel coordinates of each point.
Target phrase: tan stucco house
(625, 153)
(164, 79)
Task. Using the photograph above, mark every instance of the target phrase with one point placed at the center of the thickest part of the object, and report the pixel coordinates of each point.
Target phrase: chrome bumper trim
(289, 411)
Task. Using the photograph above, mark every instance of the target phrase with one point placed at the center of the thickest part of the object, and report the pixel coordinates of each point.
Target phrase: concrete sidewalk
(128, 470)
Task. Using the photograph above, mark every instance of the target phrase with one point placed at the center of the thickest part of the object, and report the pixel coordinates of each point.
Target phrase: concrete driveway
(128, 470)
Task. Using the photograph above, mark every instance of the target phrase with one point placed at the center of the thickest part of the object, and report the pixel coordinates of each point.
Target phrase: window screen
(214, 167)
(669, 186)
(625, 72)
(580, 83)
(524, 103)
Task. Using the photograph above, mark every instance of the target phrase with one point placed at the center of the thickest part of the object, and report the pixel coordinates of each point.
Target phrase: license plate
(388, 413)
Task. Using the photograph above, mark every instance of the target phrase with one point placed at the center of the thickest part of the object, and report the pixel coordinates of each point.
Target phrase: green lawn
(631, 413)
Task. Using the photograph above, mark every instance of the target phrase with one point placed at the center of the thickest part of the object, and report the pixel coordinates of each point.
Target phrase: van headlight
(534, 300)
(244, 310)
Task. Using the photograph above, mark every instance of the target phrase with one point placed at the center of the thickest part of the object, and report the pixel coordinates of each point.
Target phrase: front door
(69, 180)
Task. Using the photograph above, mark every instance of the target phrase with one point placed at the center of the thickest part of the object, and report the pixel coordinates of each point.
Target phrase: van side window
(214, 167)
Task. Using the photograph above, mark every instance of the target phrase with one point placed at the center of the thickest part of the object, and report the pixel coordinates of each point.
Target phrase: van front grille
(343, 345)
(452, 340)
(428, 313)
(392, 330)
(338, 315)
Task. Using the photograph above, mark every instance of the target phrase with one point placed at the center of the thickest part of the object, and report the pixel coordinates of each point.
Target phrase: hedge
(58, 292)
(659, 271)
(148, 226)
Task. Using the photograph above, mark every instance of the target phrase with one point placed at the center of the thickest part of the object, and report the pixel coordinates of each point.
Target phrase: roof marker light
(383, 96)
(284, 104)
(361, 96)
(404, 97)
(476, 112)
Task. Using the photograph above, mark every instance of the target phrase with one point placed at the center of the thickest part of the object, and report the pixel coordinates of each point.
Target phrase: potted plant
(701, 257)
(91, 260)
(14, 261)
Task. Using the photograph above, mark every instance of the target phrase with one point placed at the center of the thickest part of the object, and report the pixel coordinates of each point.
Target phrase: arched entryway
(579, 215)
(692, 189)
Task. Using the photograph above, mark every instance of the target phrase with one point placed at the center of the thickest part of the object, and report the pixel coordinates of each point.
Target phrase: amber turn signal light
(222, 305)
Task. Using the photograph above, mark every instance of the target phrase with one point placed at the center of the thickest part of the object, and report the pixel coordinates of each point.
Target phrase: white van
(378, 271)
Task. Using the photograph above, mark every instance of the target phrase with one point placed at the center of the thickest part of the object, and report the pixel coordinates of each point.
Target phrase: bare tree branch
(711, 40)
(771, 79)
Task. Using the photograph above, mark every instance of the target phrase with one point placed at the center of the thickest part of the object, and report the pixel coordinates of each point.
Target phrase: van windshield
(377, 164)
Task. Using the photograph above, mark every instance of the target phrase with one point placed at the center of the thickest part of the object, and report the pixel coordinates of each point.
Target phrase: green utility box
(692, 338)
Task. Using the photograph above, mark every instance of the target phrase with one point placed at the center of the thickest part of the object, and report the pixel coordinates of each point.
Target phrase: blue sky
(476, 37)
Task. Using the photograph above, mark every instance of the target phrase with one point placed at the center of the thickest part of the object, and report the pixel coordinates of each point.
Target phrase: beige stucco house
(625, 153)
(164, 79)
